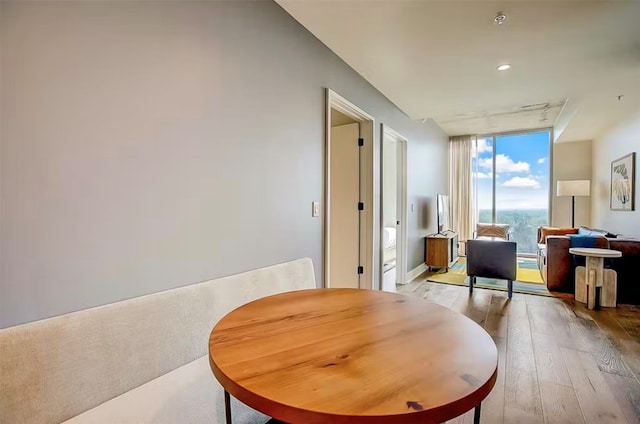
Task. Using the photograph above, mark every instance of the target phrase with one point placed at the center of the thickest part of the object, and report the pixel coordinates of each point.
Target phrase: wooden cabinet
(441, 250)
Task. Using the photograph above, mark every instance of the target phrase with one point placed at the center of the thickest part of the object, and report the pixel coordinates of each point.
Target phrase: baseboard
(415, 272)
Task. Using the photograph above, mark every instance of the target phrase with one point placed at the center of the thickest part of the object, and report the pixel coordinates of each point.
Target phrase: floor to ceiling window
(511, 179)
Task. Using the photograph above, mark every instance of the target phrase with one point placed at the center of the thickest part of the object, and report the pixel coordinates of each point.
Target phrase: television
(443, 213)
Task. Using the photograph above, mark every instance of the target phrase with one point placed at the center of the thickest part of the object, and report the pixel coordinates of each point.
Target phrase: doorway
(393, 246)
(349, 207)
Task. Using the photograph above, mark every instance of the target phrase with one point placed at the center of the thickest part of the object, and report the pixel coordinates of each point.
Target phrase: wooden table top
(596, 252)
(353, 356)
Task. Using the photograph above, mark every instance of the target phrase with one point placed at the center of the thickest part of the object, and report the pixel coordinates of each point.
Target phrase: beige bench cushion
(57, 368)
(187, 395)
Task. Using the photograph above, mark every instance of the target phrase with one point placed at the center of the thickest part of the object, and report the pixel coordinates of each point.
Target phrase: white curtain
(461, 191)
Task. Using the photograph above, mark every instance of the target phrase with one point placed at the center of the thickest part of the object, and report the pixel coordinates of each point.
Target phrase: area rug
(528, 278)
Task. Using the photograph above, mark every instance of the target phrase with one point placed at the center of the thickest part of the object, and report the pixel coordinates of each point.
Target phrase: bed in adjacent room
(389, 246)
(389, 259)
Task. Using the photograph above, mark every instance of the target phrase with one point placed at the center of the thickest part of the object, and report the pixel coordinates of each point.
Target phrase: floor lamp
(573, 188)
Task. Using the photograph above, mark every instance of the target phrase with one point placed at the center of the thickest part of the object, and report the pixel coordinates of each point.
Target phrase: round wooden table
(353, 356)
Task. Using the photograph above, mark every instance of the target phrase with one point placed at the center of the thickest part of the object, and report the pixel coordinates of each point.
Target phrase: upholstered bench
(142, 360)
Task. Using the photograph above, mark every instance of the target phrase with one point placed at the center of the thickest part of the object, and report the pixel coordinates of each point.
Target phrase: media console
(441, 250)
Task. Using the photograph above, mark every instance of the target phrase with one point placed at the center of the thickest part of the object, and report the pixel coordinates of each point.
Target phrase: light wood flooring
(559, 363)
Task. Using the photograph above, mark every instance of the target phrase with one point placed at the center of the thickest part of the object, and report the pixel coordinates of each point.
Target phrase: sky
(522, 171)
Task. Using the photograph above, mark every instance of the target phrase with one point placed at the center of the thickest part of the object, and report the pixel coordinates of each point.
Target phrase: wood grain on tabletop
(348, 355)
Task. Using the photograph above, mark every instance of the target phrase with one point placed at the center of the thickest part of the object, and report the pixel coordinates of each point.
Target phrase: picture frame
(623, 183)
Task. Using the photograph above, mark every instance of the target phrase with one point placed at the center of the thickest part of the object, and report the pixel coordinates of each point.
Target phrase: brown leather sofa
(556, 265)
(628, 269)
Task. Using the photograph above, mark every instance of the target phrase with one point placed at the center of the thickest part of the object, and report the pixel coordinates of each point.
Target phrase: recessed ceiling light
(503, 67)
(500, 18)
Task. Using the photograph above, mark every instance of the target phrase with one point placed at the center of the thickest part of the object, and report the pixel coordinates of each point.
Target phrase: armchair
(492, 259)
(492, 231)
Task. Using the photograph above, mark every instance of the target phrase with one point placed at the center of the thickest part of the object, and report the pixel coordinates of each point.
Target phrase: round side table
(585, 290)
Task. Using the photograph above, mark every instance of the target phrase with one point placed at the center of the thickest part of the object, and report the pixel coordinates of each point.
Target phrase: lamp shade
(573, 188)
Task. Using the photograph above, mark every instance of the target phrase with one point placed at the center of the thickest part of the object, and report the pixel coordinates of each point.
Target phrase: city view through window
(511, 178)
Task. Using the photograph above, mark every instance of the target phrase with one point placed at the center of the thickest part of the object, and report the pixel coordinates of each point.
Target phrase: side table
(594, 275)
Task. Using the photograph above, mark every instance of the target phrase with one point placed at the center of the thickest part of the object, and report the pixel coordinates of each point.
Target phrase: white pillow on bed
(388, 237)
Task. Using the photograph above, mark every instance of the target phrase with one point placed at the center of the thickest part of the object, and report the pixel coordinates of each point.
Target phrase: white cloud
(542, 160)
(481, 146)
(504, 164)
(485, 163)
(522, 182)
(482, 175)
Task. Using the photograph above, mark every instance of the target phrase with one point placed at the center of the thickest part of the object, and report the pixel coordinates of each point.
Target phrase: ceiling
(571, 59)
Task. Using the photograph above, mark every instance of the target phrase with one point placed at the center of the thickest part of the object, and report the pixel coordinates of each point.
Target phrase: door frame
(401, 204)
(367, 226)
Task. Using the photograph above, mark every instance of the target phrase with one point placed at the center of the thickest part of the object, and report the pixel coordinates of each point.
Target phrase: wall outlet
(315, 209)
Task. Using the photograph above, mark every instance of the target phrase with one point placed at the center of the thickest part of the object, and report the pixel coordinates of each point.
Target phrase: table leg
(581, 284)
(591, 289)
(595, 267)
(609, 288)
(227, 406)
(476, 414)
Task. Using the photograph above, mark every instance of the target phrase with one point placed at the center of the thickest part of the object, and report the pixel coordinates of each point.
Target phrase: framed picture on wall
(623, 184)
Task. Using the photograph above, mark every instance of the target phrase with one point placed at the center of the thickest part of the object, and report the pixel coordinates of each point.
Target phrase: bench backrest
(54, 369)
(492, 230)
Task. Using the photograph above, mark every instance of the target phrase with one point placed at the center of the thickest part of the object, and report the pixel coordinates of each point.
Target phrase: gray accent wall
(152, 145)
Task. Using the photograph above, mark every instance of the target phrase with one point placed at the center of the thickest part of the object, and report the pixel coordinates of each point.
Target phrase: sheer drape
(462, 193)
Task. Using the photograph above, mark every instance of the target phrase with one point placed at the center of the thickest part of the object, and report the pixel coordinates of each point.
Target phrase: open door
(344, 231)
(393, 240)
(350, 258)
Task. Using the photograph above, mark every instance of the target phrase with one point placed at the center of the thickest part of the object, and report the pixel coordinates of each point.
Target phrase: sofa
(557, 264)
(142, 360)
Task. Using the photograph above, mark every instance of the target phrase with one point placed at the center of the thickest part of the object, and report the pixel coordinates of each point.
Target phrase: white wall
(571, 161)
(150, 145)
(618, 142)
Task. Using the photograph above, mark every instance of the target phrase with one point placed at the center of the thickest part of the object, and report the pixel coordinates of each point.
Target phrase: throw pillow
(554, 231)
(581, 240)
(592, 232)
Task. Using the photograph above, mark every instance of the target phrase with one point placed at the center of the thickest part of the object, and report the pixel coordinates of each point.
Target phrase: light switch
(315, 209)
